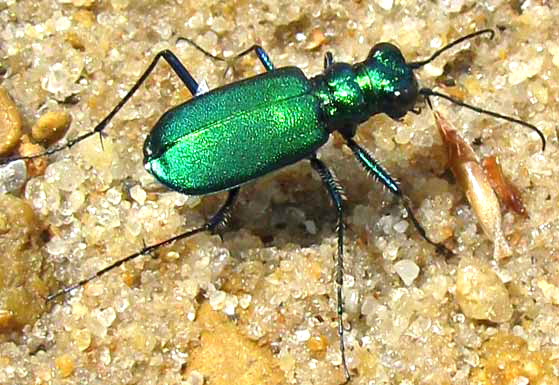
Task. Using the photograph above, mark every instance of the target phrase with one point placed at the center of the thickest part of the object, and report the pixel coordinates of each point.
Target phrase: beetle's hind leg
(336, 195)
(218, 220)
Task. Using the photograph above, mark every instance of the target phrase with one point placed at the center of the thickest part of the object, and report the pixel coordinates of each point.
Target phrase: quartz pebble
(65, 365)
(12, 176)
(480, 293)
(407, 270)
(51, 126)
(10, 127)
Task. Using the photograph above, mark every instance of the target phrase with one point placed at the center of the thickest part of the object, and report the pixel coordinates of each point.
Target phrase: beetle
(229, 136)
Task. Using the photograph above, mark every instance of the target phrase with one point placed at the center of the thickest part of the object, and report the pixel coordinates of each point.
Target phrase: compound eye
(400, 102)
(408, 93)
(403, 95)
(399, 97)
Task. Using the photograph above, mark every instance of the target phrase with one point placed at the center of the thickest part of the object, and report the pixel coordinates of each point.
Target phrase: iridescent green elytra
(239, 132)
(210, 144)
(234, 134)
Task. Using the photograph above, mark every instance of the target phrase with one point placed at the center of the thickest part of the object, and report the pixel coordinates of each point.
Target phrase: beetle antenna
(419, 64)
(429, 92)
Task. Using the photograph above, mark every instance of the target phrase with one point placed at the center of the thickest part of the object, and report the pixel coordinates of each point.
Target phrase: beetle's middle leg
(336, 195)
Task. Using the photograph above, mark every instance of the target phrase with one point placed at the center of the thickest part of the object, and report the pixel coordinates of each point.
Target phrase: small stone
(385, 4)
(539, 91)
(316, 39)
(407, 270)
(79, 3)
(310, 226)
(317, 345)
(302, 335)
(74, 40)
(480, 293)
(113, 196)
(36, 166)
(106, 317)
(453, 5)
(433, 70)
(404, 133)
(217, 300)
(10, 129)
(172, 256)
(62, 24)
(6, 319)
(51, 126)
(231, 303)
(510, 359)
(202, 88)
(120, 5)
(351, 297)
(244, 301)
(522, 70)
(192, 201)
(12, 176)
(401, 226)
(65, 175)
(84, 18)
(62, 78)
(195, 378)
(549, 291)
(105, 356)
(82, 338)
(369, 306)
(196, 21)
(138, 194)
(65, 365)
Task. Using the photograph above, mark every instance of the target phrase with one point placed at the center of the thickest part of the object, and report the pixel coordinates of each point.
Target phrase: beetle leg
(179, 69)
(262, 55)
(336, 195)
(377, 172)
(217, 220)
(328, 60)
(175, 64)
(221, 217)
